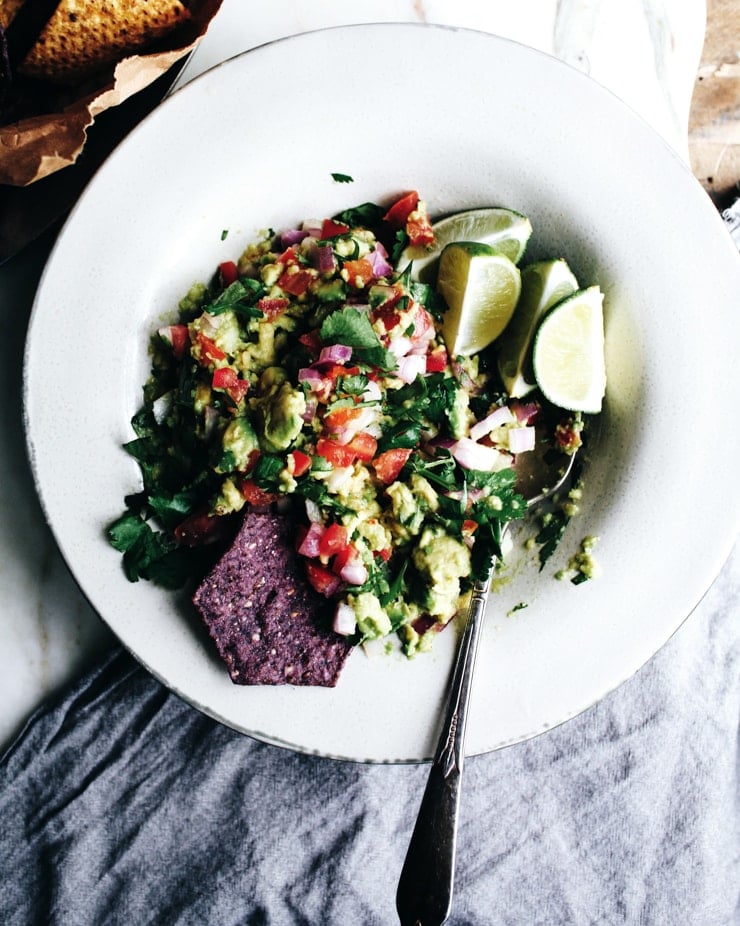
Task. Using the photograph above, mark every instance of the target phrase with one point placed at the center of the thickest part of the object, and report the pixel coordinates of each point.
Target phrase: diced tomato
(227, 379)
(301, 463)
(199, 528)
(388, 465)
(347, 554)
(324, 581)
(295, 282)
(338, 370)
(335, 453)
(333, 540)
(254, 455)
(437, 360)
(330, 228)
(339, 418)
(387, 314)
(358, 272)
(364, 446)
(469, 527)
(209, 350)
(289, 256)
(385, 554)
(177, 337)
(272, 308)
(311, 340)
(255, 495)
(228, 272)
(419, 228)
(399, 212)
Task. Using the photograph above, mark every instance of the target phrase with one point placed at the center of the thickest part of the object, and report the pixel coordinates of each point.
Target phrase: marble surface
(645, 52)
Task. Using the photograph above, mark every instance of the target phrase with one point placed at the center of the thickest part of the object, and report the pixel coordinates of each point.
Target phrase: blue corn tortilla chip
(269, 626)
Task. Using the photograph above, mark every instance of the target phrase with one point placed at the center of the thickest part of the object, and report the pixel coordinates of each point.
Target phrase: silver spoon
(424, 895)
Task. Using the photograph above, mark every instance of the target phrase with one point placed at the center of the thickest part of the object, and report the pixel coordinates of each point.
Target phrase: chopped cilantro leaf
(353, 329)
(399, 245)
(368, 215)
(342, 178)
(238, 297)
(266, 472)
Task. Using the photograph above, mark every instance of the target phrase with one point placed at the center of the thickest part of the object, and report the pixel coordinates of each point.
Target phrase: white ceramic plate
(469, 120)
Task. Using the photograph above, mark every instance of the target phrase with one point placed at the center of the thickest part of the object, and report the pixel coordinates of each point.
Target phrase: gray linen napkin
(120, 804)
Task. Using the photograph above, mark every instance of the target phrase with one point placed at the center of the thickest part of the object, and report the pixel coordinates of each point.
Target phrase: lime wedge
(503, 229)
(568, 352)
(543, 285)
(481, 288)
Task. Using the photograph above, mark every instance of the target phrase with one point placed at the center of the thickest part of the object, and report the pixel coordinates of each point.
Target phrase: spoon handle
(424, 894)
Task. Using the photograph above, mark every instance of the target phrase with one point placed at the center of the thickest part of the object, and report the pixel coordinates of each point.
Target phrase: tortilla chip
(269, 625)
(8, 9)
(83, 36)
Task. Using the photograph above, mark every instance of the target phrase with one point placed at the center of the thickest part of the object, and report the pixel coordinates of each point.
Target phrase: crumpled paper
(39, 145)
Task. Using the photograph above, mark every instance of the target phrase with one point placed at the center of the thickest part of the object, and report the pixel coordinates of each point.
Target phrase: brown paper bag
(39, 145)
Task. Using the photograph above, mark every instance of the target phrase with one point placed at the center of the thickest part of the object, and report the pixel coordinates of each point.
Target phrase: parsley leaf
(342, 178)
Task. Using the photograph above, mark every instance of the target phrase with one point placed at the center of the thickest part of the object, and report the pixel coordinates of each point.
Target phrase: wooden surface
(714, 123)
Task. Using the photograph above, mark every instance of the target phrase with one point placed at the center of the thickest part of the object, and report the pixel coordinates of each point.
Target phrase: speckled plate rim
(556, 146)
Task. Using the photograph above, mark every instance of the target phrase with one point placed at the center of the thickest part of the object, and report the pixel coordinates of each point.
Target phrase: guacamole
(311, 377)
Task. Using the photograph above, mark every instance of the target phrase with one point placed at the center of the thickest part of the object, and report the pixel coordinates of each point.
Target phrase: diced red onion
(311, 376)
(521, 439)
(292, 236)
(313, 512)
(410, 367)
(326, 261)
(471, 455)
(399, 347)
(526, 412)
(312, 406)
(354, 572)
(502, 415)
(345, 621)
(381, 267)
(312, 227)
(310, 545)
(372, 393)
(335, 353)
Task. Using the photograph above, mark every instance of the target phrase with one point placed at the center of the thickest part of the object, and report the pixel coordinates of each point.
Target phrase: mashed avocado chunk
(411, 503)
(443, 560)
(239, 442)
(280, 411)
(372, 620)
